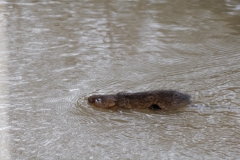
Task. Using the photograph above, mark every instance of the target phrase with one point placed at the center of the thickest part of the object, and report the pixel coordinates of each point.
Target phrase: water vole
(158, 99)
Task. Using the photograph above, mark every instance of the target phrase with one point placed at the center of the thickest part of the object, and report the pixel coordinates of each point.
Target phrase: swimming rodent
(158, 99)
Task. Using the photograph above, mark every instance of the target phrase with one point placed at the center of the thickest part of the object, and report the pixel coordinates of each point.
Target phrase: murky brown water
(57, 53)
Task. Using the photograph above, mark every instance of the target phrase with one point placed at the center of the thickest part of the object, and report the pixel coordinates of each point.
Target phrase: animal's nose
(90, 100)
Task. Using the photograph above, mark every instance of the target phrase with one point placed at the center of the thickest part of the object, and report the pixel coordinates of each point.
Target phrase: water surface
(58, 53)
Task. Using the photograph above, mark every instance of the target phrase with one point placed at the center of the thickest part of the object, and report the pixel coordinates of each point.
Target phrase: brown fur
(159, 99)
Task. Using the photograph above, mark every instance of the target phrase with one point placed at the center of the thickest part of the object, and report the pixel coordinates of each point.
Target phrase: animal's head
(102, 101)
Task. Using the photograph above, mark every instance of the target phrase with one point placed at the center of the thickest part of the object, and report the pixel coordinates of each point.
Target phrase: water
(58, 53)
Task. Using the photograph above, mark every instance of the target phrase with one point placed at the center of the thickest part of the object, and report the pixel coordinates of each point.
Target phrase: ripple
(63, 53)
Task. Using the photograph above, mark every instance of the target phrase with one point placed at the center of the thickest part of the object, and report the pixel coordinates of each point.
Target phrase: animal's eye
(98, 100)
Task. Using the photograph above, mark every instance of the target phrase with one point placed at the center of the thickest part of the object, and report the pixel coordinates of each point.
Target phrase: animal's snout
(90, 100)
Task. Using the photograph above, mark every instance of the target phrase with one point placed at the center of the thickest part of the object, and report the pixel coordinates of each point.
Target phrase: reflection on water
(62, 52)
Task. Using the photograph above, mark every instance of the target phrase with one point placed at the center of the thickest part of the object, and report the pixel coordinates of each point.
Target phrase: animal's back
(158, 99)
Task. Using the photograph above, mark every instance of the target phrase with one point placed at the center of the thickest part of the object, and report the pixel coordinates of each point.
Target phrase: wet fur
(158, 99)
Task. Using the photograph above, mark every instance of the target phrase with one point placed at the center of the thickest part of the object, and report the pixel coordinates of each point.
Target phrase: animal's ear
(112, 102)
